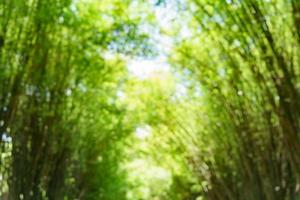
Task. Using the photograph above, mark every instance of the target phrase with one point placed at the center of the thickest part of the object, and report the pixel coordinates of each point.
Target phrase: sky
(143, 68)
(166, 15)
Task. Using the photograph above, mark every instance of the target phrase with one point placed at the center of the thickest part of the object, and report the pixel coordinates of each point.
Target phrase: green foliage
(58, 105)
(243, 53)
(222, 123)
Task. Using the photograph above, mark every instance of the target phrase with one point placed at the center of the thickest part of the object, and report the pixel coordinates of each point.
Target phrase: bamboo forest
(150, 99)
